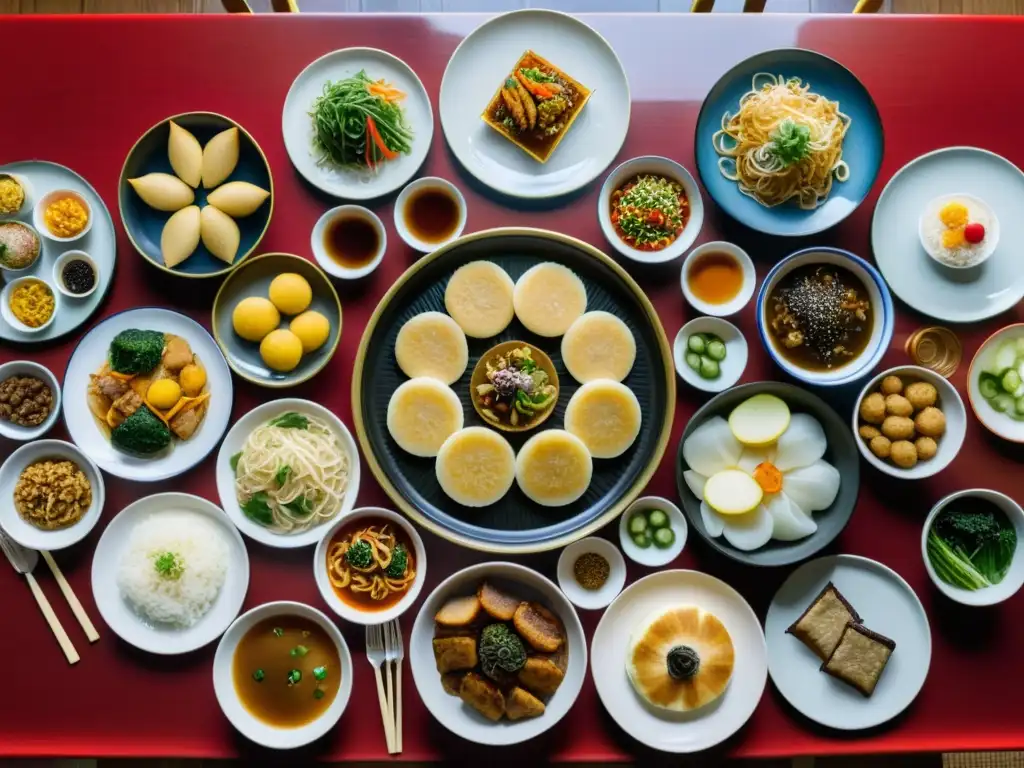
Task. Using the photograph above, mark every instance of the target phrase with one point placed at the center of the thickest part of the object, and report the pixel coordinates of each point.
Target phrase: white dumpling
(432, 344)
(802, 444)
(220, 156)
(812, 488)
(606, 416)
(479, 298)
(695, 482)
(163, 191)
(219, 233)
(712, 447)
(476, 467)
(789, 522)
(238, 198)
(554, 468)
(422, 414)
(598, 346)
(749, 531)
(548, 298)
(751, 457)
(180, 236)
(185, 154)
(712, 520)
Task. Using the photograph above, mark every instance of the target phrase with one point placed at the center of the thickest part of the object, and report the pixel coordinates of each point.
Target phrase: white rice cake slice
(479, 298)
(606, 416)
(432, 344)
(548, 298)
(422, 414)
(598, 346)
(476, 467)
(554, 468)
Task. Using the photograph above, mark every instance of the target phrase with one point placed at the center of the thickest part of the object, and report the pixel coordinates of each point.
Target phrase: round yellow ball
(290, 293)
(164, 394)
(281, 350)
(254, 318)
(312, 328)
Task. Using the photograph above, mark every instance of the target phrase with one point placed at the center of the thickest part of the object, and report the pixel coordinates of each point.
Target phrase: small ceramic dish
(246, 723)
(652, 556)
(1014, 578)
(28, 368)
(949, 443)
(730, 369)
(882, 313)
(997, 422)
(931, 214)
(746, 290)
(333, 266)
(656, 166)
(591, 599)
(8, 314)
(39, 214)
(27, 534)
(253, 278)
(428, 183)
(58, 273)
(356, 519)
(27, 188)
(31, 232)
(479, 377)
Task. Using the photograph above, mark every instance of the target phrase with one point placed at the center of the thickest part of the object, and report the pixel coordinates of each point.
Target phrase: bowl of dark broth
(282, 674)
(825, 316)
(430, 212)
(349, 241)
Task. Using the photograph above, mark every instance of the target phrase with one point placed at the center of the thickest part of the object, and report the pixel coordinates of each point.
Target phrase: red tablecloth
(86, 88)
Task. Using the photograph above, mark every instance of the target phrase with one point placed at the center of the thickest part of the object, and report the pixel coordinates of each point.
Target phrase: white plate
(27, 534)
(954, 295)
(119, 614)
(181, 455)
(298, 126)
(482, 62)
(449, 710)
(234, 442)
(683, 732)
(887, 605)
(99, 243)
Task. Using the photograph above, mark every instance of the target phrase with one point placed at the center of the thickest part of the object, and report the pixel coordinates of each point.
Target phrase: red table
(93, 85)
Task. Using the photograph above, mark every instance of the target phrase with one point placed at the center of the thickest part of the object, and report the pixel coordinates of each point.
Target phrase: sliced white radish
(759, 420)
(751, 457)
(802, 444)
(812, 488)
(750, 531)
(790, 523)
(695, 482)
(712, 520)
(712, 447)
(732, 492)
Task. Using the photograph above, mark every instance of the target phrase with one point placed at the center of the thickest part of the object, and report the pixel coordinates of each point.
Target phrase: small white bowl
(348, 611)
(58, 268)
(39, 217)
(591, 599)
(403, 198)
(245, 722)
(653, 556)
(949, 444)
(931, 212)
(26, 205)
(8, 314)
(27, 534)
(746, 292)
(656, 166)
(735, 353)
(29, 368)
(994, 421)
(329, 265)
(1014, 578)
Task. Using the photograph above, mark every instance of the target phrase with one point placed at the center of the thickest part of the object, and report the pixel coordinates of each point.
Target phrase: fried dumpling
(185, 154)
(479, 298)
(422, 414)
(219, 233)
(220, 156)
(475, 467)
(180, 236)
(520, 703)
(453, 654)
(540, 676)
(606, 416)
(548, 298)
(238, 199)
(598, 346)
(432, 344)
(483, 695)
(539, 627)
(498, 604)
(680, 659)
(163, 191)
(554, 468)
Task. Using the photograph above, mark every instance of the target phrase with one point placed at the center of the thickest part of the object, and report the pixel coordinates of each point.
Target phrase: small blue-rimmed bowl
(882, 315)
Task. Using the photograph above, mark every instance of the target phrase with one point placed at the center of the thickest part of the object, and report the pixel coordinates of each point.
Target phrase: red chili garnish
(371, 128)
(974, 232)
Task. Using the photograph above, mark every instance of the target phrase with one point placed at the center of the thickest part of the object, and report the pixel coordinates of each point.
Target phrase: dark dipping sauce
(351, 241)
(78, 276)
(265, 665)
(432, 214)
(820, 317)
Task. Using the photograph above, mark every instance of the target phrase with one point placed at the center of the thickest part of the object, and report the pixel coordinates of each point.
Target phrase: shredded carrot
(371, 128)
(386, 91)
(768, 477)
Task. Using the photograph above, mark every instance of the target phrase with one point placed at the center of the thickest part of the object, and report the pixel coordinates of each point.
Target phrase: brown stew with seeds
(820, 317)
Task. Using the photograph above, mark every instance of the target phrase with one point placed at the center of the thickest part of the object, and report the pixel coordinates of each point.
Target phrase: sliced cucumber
(1010, 381)
(716, 350)
(664, 538)
(1004, 403)
(709, 368)
(988, 385)
(657, 518)
(696, 343)
(1018, 406)
(1006, 356)
(642, 540)
(637, 524)
(693, 360)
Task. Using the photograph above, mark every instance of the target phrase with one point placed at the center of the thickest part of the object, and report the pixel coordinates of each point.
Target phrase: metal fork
(376, 654)
(395, 652)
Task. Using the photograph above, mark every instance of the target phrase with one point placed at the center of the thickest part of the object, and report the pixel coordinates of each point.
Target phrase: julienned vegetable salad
(360, 123)
(649, 212)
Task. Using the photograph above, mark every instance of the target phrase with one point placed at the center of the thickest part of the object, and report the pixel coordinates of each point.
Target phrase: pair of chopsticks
(69, 594)
(384, 646)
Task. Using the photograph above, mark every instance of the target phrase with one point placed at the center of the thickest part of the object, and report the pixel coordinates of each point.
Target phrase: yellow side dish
(66, 217)
(32, 303)
(12, 195)
(954, 215)
(953, 238)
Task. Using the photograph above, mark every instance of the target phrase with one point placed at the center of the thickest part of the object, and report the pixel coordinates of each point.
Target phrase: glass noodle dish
(785, 142)
(359, 123)
(291, 474)
(649, 212)
(369, 566)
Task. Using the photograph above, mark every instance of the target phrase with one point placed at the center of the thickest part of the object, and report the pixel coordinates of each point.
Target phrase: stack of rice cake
(849, 651)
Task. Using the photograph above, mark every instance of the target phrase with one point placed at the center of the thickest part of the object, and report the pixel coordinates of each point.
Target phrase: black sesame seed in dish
(78, 276)
(820, 317)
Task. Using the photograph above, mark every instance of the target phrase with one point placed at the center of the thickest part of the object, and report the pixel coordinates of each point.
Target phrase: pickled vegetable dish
(651, 527)
(704, 354)
(649, 212)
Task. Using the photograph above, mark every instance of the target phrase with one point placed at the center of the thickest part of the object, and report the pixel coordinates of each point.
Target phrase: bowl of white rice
(958, 252)
(170, 573)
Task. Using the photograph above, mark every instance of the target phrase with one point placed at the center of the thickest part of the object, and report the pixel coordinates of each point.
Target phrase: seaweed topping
(683, 663)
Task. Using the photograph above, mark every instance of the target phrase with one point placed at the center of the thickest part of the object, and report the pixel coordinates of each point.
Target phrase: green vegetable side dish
(141, 434)
(1001, 383)
(651, 526)
(360, 123)
(169, 565)
(135, 351)
(704, 354)
(501, 651)
(790, 143)
(971, 544)
(649, 212)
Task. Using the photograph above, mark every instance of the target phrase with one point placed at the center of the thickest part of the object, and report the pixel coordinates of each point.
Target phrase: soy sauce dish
(429, 213)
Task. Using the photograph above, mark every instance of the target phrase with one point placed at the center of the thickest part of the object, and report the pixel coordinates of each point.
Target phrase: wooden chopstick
(398, 710)
(385, 712)
(393, 745)
(52, 620)
(72, 598)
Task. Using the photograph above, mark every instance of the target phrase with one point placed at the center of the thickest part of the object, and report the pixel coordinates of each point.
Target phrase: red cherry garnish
(974, 232)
